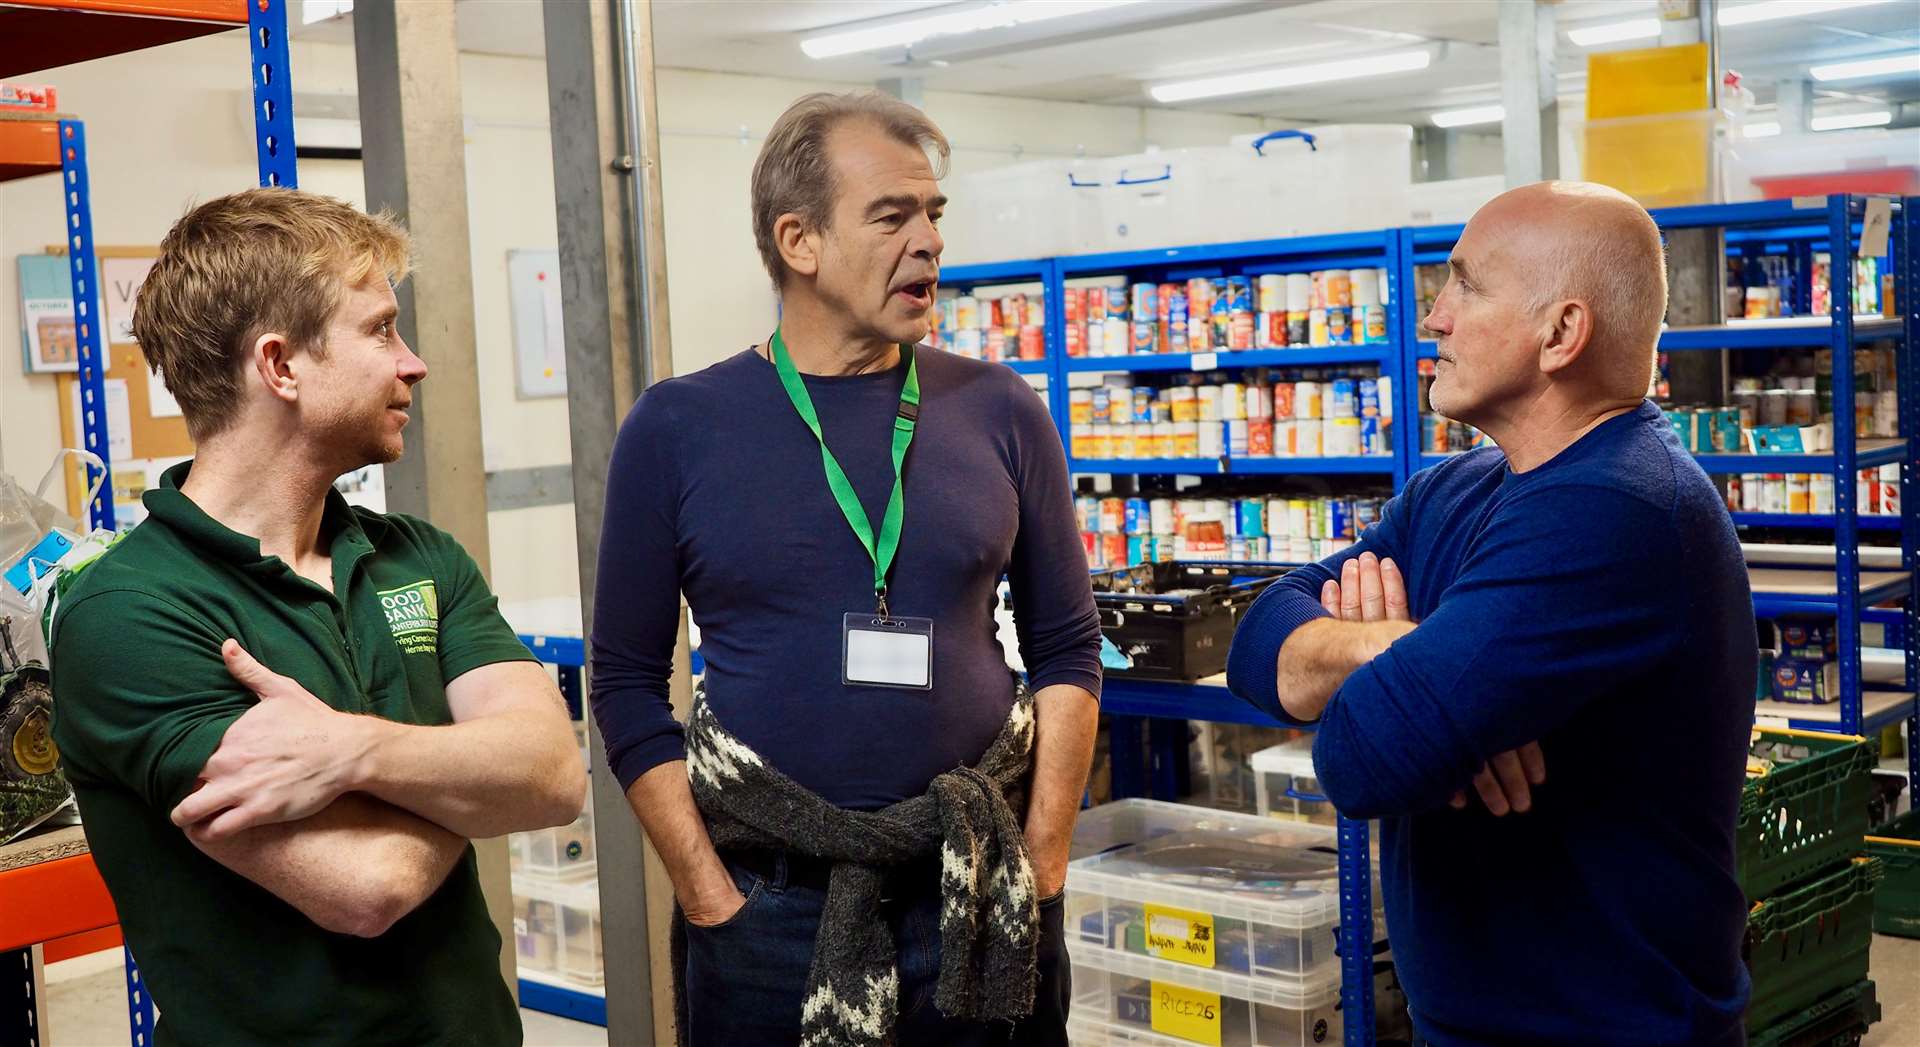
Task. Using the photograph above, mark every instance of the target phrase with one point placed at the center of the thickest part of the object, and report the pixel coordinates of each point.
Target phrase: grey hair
(795, 175)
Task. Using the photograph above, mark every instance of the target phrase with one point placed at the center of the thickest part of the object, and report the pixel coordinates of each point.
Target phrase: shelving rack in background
(62, 902)
(1842, 589)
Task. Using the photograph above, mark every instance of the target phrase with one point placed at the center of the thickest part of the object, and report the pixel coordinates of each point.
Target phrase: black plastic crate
(1176, 620)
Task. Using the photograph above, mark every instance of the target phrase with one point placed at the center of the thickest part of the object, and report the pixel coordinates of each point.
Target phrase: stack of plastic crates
(556, 904)
(1187, 925)
(1802, 838)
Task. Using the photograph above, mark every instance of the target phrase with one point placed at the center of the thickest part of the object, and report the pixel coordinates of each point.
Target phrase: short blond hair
(235, 268)
(794, 173)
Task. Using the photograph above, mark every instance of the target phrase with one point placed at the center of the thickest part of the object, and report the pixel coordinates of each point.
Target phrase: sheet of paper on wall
(539, 336)
(132, 479)
(119, 420)
(46, 315)
(160, 401)
(121, 278)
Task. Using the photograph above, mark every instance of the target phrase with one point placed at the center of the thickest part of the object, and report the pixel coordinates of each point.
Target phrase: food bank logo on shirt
(413, 615)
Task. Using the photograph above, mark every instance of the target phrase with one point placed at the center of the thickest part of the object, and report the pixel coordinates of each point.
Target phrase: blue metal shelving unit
(1151, 765)
(1164, 705)
(1781, 227)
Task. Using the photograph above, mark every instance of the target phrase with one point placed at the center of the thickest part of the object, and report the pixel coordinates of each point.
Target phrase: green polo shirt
(141, 699)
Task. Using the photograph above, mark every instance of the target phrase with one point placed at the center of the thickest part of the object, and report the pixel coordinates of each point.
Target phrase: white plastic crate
(1285, 786)
(1235, 903)
(1354, 177)
(556, 926)
(1119, 1007)
(1019, 211)
(565, 852)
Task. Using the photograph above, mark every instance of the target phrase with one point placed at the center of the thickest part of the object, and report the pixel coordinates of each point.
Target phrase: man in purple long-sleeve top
(867, 817)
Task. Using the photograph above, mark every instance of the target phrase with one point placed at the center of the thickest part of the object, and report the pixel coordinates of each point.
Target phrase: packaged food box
(1805, 682)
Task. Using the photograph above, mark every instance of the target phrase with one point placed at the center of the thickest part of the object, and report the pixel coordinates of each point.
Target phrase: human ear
(272, 360)
(1569, 332)
(799, 247)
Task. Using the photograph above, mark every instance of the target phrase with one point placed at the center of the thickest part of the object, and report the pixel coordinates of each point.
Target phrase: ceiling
(1112, 57)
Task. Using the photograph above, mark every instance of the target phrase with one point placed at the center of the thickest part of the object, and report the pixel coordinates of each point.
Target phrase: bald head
(1584, 242)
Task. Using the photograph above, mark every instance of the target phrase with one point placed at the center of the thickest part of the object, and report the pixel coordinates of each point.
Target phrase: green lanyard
(850, 506)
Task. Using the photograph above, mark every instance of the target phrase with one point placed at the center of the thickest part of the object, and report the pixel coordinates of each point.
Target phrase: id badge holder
(887, 652)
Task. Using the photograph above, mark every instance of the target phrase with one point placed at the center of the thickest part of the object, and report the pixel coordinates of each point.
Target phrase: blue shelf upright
(95, 36)
(78, 200)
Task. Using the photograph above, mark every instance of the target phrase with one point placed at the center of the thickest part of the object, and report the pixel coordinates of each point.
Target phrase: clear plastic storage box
(564, 853)
(1113, 1007)
(556, 925)
(1285, 786)
(1235, 904)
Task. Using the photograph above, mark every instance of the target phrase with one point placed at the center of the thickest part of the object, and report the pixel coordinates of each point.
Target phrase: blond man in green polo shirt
(284, 717)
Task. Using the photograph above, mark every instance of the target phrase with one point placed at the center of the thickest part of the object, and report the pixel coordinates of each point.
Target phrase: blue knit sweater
(1599, 605)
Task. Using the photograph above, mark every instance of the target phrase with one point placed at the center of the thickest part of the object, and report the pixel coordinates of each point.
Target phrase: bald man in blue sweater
(1582, 609)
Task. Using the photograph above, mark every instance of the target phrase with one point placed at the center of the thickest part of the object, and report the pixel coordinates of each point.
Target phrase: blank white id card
(887, 652)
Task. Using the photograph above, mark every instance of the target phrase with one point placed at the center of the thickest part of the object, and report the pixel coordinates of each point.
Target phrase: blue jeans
(745, 978)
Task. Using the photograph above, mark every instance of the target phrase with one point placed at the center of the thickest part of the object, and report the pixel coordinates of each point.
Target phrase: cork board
(154, 435)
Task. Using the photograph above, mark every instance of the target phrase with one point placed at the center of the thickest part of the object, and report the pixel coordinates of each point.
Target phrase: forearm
(663, 800)
(508, 772)
(1066, 721)
(1318, 657)
(355, 868)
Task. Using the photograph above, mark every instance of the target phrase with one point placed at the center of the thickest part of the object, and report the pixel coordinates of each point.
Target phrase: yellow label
(1180, 935)
(1187, 1013)
(33, 747)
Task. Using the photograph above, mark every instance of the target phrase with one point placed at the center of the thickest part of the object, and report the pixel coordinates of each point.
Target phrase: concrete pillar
(600, 89)
(1531, 130)
(413, 148)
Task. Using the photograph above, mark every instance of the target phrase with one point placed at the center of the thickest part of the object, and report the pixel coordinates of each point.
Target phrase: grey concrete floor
(87, 1004)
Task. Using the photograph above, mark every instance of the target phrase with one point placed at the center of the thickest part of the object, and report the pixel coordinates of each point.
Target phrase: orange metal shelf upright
(43, 34)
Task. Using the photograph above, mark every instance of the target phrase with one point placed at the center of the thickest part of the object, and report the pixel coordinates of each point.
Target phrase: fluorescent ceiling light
(1761, 130)
(1906, 63)
(1480, 114)
(1881, 118)
(910, 31)
(1292, 76)
(1770, 10)
(1614, 32)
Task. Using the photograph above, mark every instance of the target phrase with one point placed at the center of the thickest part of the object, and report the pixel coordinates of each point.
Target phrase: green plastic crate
(1807, 816)
(1809, 943)
(1896, 903)
(1836, 1021)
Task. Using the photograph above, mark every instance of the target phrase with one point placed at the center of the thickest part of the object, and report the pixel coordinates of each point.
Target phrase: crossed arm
(356, 820)
(1369, 611)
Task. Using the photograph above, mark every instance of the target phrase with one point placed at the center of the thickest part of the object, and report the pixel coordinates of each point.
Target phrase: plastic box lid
(1294, 757)
(1239, 866)
(1320, 987)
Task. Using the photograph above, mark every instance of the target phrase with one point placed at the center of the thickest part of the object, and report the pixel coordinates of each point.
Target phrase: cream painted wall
(155, 153)
(711, 128)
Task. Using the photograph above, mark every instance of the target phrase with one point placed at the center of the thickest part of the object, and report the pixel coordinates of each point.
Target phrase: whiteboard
(539, 339)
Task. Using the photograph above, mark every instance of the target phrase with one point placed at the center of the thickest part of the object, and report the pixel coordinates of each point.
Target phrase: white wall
(712, 125)
(155, 153)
